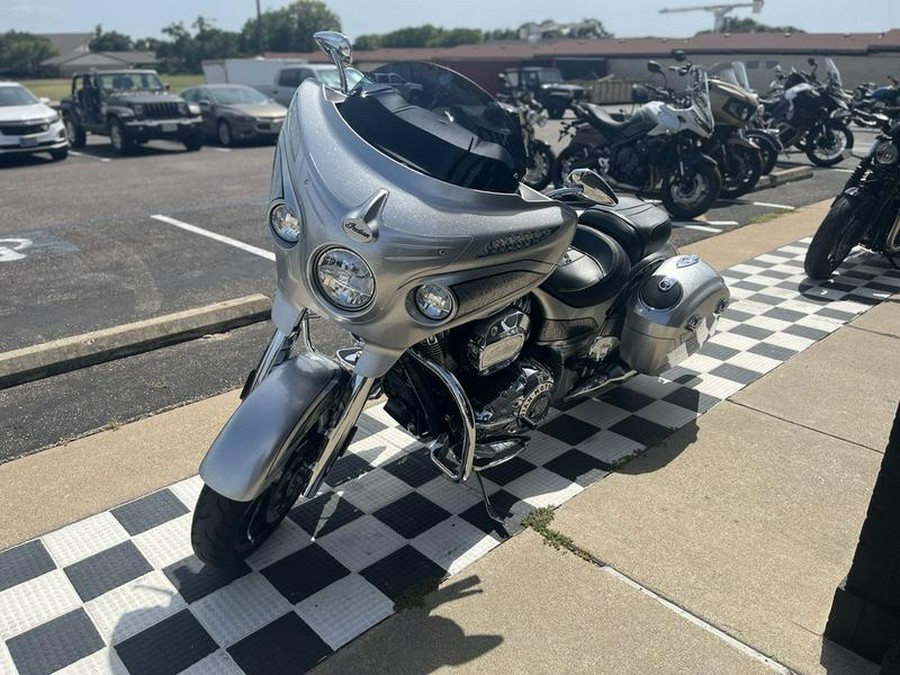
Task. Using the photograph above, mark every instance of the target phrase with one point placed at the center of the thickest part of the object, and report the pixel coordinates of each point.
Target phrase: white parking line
(722, 222)
(834, 168)
(268, 255)
(693, 226)
(784, 207)
(81, 154)
(222, 149)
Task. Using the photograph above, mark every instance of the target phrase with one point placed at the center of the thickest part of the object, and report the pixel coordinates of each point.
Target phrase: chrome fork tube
(280, 346)
(337, 437)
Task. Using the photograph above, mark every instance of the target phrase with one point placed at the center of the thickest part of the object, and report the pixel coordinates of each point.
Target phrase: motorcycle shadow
(658, 455)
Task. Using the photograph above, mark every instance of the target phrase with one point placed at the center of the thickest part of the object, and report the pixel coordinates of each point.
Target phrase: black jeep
(129, 106)
(546, 85)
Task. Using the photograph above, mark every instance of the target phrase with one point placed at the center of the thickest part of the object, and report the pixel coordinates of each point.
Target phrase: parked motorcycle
(539, 156)
(866, 212)
(477, 302)
(657, 148)
(873, 99)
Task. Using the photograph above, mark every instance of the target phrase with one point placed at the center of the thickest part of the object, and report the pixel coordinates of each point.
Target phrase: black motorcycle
(866, 212)
(539, 156)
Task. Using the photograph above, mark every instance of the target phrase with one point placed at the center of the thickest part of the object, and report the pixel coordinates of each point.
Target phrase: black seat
(593, 270)
(603, 118)
(638, 226)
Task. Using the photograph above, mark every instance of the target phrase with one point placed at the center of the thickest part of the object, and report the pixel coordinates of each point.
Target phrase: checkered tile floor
(121, 592)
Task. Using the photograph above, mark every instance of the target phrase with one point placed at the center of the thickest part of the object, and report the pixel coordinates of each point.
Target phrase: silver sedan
(235, 112)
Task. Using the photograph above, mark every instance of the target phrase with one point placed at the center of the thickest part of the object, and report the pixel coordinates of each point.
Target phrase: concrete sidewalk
(716, 551)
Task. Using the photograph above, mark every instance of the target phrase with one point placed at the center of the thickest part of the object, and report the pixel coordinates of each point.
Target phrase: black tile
(194, 580)
(643, 431)
(782, 254)
(568, 429)
(864, 299)
(305, 572)
(347, 468)
(627, 399)
(681, 375)
(754, 332)
(773, 351)
(507, 506)
(412, 469)
(286, 646)
(148, 512)
(324, 514)
(716, 351)
(838, 285)
(860, 274)
(759, 263)
(578, 467)
(692, 399)
(766, 299)
(402, 570)
(411, 515)
(790, 285)
(23, 563)
(170, 646)
(737, 315)
(748, 285)
(735, 373)
(368, 426)
(836, 314)
(775, 274)
(782, 314)
(508, 471)
(878, 286)
(104, 571)
(55, 644)
(806, 332)
(734, 274)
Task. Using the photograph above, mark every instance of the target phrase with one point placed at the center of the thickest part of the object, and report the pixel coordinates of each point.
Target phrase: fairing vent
(511, 243)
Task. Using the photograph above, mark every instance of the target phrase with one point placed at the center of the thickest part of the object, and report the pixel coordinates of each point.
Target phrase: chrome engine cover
(497, 341)
(515, 400)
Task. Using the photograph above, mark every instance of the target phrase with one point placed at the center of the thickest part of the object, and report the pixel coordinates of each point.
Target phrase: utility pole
(259, 29)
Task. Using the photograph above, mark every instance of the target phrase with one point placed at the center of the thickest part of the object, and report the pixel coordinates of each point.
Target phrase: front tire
(834, 239)
(225, 531)
(825, 146)
(743, 167)
(768, 150)
(223, 133)
(59, 155)
(194, 142)
(76, 133)
(540, 166)
(556, 109)
(691, 194)
(122, 145)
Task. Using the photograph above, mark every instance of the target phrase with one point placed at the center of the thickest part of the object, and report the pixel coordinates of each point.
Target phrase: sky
(624, 18)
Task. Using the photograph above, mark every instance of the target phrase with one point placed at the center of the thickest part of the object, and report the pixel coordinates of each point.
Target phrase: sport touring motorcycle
(476, 302)
(657, 148)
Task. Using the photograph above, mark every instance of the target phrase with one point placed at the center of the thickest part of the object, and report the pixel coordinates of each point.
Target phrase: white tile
(746, 268)
(188, 491)
(240, 608)
(34, 602)
(768, 323)
(751, 307)
(133, 607)
(800, 305)
(450, 496)
(344, 609)
(668, 415)
(454, 544)
(823, 323)
(103, 662)
(85, 538)
(540, 449)
(717, 386)
(167, 543)
(541, 487)
(741, 342)
(739, 294)
(769, 258)
(288, 538)
(799, 251)
(609, 447)
(789, 341)
(598, 413)
(380, 448)
(824, 293)
(217, 663)
(701, 363)
(359, 544)
(783, 293)
(374, 490)
(762, 281)
(7, 665)
(754, 362)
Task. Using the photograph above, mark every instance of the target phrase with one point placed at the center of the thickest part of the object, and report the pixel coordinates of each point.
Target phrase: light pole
(259, 29)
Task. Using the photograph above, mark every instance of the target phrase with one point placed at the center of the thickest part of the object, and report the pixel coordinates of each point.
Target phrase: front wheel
(832, 242)
(118, 137)
(60, 154)
(225, 531)
(768, 150)
(76, 133)
(742, 168)
(223, 132)
(540, 166)
(194, 142)
(556, 109)
(826, 144)
(687, 195)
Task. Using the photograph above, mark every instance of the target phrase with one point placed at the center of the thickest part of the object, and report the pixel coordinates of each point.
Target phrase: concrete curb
(60, 356)
(786, 176)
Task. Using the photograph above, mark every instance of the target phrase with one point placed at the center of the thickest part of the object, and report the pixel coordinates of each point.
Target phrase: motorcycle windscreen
(834, 75)
(698, 93)
(438, 122)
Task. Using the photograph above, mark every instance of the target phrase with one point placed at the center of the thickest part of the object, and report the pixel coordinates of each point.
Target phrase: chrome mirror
(337, 47)
(592, 186)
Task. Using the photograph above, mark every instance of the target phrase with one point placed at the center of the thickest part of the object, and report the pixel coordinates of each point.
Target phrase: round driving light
(345, 279)
(435, 302)
(284, 223)
(886, 152)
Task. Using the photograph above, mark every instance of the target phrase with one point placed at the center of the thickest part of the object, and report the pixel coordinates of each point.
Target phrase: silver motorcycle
(476, 303)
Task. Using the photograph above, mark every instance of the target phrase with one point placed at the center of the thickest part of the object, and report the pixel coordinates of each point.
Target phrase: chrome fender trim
(252, 445)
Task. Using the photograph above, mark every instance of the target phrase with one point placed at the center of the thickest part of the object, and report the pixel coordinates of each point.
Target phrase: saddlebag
(671, 314)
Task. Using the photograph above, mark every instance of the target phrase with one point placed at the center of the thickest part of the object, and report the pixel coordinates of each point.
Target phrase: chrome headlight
(435, 302)
(886, 152)
(284, 223)
(138, 109)
(194, 108)
(345, 279)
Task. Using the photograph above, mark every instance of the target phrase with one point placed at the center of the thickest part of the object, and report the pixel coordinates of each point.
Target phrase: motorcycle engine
(631, 165)
(515, 399)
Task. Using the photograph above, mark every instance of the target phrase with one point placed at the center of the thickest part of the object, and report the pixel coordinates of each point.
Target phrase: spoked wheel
(833, 241)
(687, 195)
(826, 144)
(743, 167)
(225, 531)
(540, 166)
(573, 157)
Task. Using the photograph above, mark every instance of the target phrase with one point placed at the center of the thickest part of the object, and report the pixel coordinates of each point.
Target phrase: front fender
(253, 444)
(694, 158)
(744, 142)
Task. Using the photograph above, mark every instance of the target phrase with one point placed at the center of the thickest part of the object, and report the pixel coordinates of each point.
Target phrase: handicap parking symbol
(11, 249)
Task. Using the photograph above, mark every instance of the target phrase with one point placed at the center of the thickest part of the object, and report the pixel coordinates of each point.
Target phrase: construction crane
(719, 11)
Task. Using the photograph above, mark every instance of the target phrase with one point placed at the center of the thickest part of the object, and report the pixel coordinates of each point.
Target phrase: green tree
(367, 42)
(110, 41)
(21, 53)
(291, 28)
(186, 49)
(733, 24)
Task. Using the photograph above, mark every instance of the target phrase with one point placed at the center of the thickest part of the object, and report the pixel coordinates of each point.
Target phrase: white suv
(28, 125)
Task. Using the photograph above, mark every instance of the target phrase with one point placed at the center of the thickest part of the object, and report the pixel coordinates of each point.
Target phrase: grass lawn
(56, 88)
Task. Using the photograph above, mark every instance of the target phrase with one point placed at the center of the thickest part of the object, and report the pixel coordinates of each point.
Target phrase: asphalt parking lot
(97, 241)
